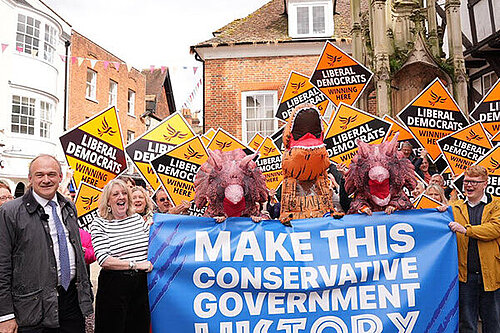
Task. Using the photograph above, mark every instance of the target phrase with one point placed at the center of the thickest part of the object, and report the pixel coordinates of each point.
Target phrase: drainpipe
(66, 72)
(198, 58)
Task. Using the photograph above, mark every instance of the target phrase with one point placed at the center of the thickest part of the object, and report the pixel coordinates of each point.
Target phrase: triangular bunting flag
(129, 67)
(19, 48)
(194, 70)
(152, 68)
(93, 62)
(163, 69)
(34, 53)
(117, 66)
(105, 63)
(73, 60)
(63, 57)
(81, 60)
(4, 46)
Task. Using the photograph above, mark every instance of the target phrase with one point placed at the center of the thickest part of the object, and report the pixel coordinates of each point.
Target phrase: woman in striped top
(120, 238)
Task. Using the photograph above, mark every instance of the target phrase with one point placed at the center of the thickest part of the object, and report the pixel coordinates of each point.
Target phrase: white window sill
(91, 99)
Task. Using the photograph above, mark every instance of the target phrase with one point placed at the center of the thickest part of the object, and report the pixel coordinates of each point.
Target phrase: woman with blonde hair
(142, 203)
(436, 192)
(120, 238)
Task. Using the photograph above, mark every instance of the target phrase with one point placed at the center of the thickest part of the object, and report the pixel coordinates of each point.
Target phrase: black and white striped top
(125, 239)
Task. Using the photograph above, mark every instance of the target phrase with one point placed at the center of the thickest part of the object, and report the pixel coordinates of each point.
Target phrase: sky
(155, 32)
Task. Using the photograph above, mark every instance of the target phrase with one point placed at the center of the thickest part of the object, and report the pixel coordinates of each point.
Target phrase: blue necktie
(63, 248)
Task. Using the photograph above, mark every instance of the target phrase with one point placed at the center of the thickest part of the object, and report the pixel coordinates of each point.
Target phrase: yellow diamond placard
(348, 125)
(269, 162)
(167, 134)
(94, 149)
(178, 167)
(432, 115)
(464, 147)
(224, 141)
(299, 90)
(256, 141)
(488, 110)
(87, 203)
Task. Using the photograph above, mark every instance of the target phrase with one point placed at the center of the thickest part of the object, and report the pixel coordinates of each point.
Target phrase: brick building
(247, 62)
(98, 79)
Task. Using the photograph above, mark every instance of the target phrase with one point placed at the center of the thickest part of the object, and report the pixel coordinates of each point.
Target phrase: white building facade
(33, 86)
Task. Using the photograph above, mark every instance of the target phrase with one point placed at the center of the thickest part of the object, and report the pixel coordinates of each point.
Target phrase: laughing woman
(120, 239)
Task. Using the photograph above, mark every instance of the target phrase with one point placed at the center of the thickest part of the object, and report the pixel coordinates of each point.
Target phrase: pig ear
(392, 146)
(244, 162)
(363, 149)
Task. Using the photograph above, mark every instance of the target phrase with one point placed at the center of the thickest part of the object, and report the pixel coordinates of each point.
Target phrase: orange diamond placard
(348, 125)
(177, 169)
(94, 149)
(488, 110)
(425, 201)
(464, 147)
(432, 115)
(339, 76)
(299, 90)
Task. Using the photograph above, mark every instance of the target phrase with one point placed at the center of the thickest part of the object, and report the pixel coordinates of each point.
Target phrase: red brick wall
(81, 108)
(226, 79)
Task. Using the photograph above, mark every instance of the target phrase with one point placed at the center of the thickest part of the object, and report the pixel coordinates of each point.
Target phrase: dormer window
(310, 19)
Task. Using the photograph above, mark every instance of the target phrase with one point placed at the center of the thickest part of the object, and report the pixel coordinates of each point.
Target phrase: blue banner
(360, 274)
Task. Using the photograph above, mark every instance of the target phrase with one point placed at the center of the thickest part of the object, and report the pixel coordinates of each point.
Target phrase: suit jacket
(28, 271)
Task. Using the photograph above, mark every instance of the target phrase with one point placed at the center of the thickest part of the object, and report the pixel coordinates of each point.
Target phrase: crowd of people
(45, 257)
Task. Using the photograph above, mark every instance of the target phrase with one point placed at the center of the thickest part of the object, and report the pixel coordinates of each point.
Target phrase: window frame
(113, 95)
(25, 35)
(131, 103)
(293, 25)
(31, 106)
(50, 42)
(45, 119)
(244, 128)
(91, 87)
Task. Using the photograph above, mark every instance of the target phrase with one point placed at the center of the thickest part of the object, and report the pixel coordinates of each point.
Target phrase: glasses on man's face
(162, 199)
(6, 197)
(473, 182)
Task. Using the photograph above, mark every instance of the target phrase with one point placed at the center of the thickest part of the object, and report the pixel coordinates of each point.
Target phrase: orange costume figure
(306, 191)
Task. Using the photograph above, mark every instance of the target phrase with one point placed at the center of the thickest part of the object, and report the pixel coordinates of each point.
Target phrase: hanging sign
(488, 110)
(339, 76)
(256, 141)
(269, 162)
(348, 125)
(224, 141)
(424, 201)
(432, 115)
(94, 149)
(178, 167)
(157, 141)
(87, 204)
(464, 147)
(299, 90)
